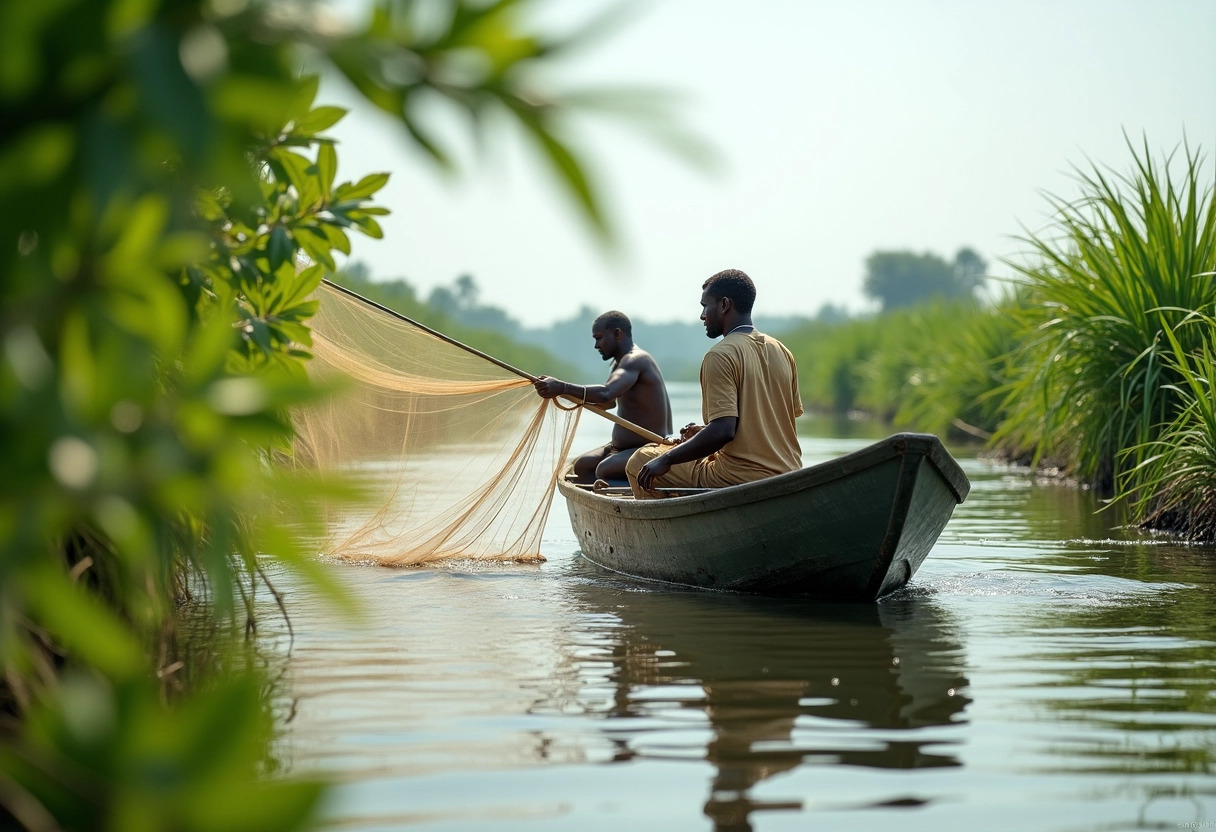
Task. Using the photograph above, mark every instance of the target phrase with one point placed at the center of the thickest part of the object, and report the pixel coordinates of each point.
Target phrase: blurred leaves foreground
(163, 170)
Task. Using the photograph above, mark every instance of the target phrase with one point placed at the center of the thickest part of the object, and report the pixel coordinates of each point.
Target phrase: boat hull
(854, 528)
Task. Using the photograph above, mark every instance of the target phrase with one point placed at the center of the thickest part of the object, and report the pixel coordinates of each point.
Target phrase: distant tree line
(898, 279)
(563, 347)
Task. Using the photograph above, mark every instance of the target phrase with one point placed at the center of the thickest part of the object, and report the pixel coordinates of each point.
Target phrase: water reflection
(778, 685)
(560, 697)
(1008, 505)
(1140, 675)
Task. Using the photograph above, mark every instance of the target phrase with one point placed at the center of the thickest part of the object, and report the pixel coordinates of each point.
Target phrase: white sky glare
(841, 128)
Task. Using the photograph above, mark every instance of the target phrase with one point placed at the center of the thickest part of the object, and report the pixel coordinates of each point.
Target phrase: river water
(1044, 670)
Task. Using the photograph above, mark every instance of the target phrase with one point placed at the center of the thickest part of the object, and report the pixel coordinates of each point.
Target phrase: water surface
(1043, 671)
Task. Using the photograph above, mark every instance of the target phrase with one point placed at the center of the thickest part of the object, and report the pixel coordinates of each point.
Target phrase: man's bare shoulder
(638, 360)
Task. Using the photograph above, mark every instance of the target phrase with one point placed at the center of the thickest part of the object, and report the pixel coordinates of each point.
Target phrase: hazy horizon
(840, 130)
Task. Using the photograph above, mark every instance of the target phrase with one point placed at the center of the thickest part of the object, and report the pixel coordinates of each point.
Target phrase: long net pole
(611, 417)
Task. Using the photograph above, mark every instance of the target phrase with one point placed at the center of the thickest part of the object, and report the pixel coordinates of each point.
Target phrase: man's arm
(709, 439)
(621, 379)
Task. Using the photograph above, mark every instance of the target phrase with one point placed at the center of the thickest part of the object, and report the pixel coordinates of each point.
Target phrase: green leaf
(362, 189)
(306, 283)
(467, 17)
(425, 142)
(208, 347)
(294, 333)
(351, 60)
(262, 103)
(141, 230)
(369, 227)
(569, 170)
(337, 238)
(316, 246)
(320, 118)
(259, 333)
(209, 207)
(292, 166)
(327, 167)
(280, 249)
(305, 95)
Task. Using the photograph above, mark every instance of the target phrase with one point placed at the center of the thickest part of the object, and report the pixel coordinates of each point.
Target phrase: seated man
(635, 384)
(749, 400)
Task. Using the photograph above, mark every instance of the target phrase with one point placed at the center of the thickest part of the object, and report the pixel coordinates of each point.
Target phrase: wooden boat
(853, 528)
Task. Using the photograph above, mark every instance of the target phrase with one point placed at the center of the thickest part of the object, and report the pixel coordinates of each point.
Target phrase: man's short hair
(733, 284)
(615, 320)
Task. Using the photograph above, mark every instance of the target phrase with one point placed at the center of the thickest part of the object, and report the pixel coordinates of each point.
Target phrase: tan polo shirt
(752, 376)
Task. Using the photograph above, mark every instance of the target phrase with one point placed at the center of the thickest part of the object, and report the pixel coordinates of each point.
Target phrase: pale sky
(841, 128)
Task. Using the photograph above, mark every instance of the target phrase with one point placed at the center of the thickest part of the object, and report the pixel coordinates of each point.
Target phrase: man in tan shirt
(749, 400)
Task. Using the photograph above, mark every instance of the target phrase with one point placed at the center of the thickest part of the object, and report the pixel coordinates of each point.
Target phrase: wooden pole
(599, 411)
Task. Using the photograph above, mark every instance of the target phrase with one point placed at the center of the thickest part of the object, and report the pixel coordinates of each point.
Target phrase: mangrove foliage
(169, 198)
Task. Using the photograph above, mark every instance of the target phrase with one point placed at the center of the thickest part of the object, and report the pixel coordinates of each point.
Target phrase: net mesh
(457, 457)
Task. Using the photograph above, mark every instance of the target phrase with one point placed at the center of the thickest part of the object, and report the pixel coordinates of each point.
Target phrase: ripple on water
(1043, 670)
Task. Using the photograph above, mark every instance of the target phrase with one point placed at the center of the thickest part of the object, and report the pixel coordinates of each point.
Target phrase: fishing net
(457, 457)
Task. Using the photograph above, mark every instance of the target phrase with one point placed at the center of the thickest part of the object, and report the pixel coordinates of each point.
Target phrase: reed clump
(1111, 291)
(1172, 487)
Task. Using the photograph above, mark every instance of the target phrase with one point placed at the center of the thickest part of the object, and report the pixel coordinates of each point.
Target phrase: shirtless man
(635, 384)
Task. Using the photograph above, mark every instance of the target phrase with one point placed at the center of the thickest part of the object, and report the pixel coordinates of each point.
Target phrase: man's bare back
(644, 401)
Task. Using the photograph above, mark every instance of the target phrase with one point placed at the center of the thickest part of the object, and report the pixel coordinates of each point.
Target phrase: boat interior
(621, 489)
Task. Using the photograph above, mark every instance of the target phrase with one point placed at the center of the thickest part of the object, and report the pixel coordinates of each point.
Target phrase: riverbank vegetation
(932, 366)
(1108, 284)
(1095, 362)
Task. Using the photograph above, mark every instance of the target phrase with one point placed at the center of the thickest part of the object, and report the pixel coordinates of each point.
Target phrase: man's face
(711, 314)
(606, 341)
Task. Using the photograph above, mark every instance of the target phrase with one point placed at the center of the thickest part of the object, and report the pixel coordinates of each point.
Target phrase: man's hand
(657, 467)
(549, 388)
(689, 431)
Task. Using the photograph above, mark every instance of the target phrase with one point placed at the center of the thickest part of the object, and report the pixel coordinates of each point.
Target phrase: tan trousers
(700, 473)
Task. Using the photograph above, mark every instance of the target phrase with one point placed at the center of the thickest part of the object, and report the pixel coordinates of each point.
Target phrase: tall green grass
(1116, 269)
(1173, 486)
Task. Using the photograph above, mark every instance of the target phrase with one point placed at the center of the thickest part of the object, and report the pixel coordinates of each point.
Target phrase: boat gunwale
(894, 446)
